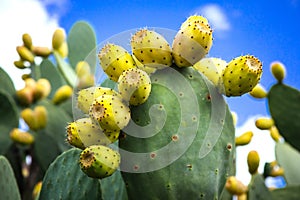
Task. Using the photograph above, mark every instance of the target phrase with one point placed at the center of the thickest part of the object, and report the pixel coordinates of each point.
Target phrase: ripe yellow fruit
(278, 70)
(253, 162)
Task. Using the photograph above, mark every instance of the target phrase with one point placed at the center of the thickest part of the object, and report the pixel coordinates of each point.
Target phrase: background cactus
(171, 112)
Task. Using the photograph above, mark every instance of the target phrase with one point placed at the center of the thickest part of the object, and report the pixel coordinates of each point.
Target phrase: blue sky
(269, 31)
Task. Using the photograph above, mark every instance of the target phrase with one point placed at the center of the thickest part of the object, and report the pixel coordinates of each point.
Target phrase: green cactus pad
(9, 118)
(257, 188)
(65, 180)
(289, 159)
(169, 150)
(290, 193)
(8, 185)
(284, 105)
(82, 44)
(6, 82)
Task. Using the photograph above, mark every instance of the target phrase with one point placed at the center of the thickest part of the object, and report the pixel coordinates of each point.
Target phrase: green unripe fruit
(253, 162)
(41, 51)
(58, 38)
(134, 85)
(25, 54)
(110, 112)
(244, 139)
(21, 137)
(114, 59)
(241, 75)
(278, 71)
(151, 49)
(88, 95)
(98, 161)
(258, 92)
(62, 94)
(264, 123)
(84, 132)
(27, 40)
(192, 42)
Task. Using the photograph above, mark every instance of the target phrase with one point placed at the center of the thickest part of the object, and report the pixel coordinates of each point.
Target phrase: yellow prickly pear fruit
(151, 49)
(25, 54)
(244, 139)
(253, 162)
(134, 86)
(41, 116)
(43, 89)
(19, 64)
(30, 83)
(58, 38)
(192, 42)
(193, 20)
(86, 81)
(21, 137)
(258, 92)
(212, 68)
(241, 75)
(278, 70)
(275, 134)
(114, 59)
(264, 123)
(28, 116)
(82, 69)
(63, 50)
(86, 96)
(139, 65)
(36, 189)
(27, 40)
(235, 187)
(110, 112)
(277, 172)
(25, 96)
(62, 94)
(41, 51)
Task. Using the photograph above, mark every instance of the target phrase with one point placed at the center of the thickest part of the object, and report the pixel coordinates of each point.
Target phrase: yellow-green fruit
(88, 95)
(264, 123)
(20, 64)
(134, 86)
(25, 96)
(86, 81)
(58, 38)
(36, 189)
(258, 92)
(274, 132)
(212, 68)
(84, 132)
(253, 162)
(241, 75)
(139, 65)
(25, 54)
(110, 112)
(114, 59)
(41, 116)
(28, 116)
(63, 50)
(25, 76)
(21, 137)
(278, 71)
(41, 51)
(192, 42)
(235, 187)
(99, 161)
(151, 49)
(82, 69)
(62, 94)
(244, 139)
(27, 40)
(42, 89)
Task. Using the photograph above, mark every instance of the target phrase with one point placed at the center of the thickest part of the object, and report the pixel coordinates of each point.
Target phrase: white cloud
(261, 142)
(215, 15)
(18, 17)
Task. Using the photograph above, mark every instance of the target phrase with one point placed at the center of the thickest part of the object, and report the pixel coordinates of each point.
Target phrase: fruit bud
(63, 93)
(63, 50)
(244, 139)
(27, 41)
(82, 69)
(25, 54)
(275, 134)
(264, 123)
(19, 64)
(30, 83)
(86, 81)
(25, 96)
(253, 162)
(41, 51)
(43, 89)
(278, 71)
(58, 38)
(41, 116)
(30, 119)
(36, 190)
(258, 92)
(21, 137)
(235, 187)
